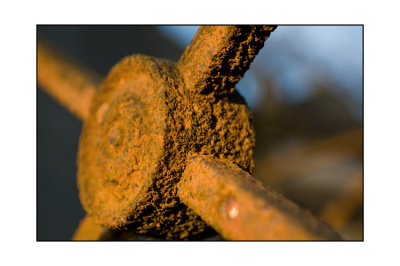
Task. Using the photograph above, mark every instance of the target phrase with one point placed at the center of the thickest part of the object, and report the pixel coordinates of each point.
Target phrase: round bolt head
(143, 124)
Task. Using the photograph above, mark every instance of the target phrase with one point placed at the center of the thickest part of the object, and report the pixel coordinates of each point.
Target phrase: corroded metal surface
(218, 56)
(240, 207)
(70, 83)
(146, 119)
(122, 141)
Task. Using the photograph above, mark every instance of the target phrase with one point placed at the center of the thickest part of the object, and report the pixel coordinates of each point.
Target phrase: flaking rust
(240, 207)
(149, 115)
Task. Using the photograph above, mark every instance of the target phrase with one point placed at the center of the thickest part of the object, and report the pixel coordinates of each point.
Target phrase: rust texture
(70, 83)
(240, 207)
(218, 57)
(146, 119)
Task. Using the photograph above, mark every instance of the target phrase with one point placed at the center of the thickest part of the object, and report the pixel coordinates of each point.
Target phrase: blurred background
(305, 89)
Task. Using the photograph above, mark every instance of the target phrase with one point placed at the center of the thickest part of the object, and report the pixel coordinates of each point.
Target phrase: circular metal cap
(122, 140)
(143, 124)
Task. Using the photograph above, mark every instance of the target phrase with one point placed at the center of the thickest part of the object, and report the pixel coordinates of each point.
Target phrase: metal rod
(66, 80)
(218, 56)
(240, 207)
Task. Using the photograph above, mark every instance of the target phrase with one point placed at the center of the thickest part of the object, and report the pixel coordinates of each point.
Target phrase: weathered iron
(149, 116)
(240, 207)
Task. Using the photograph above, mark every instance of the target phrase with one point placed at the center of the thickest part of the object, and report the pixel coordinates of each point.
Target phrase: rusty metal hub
(143, 123)
(166, 143)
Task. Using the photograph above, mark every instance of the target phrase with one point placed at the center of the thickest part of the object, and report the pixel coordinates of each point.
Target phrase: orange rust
(122, 141)
(240, 207)
(145, 120)
(70, 83)
(148, 117)
(218, 56)
(340, 209)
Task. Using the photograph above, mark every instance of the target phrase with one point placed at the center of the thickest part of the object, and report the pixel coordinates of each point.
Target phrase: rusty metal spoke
(69, 82)
(218, 56)
(147, 118)
(240, 207)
